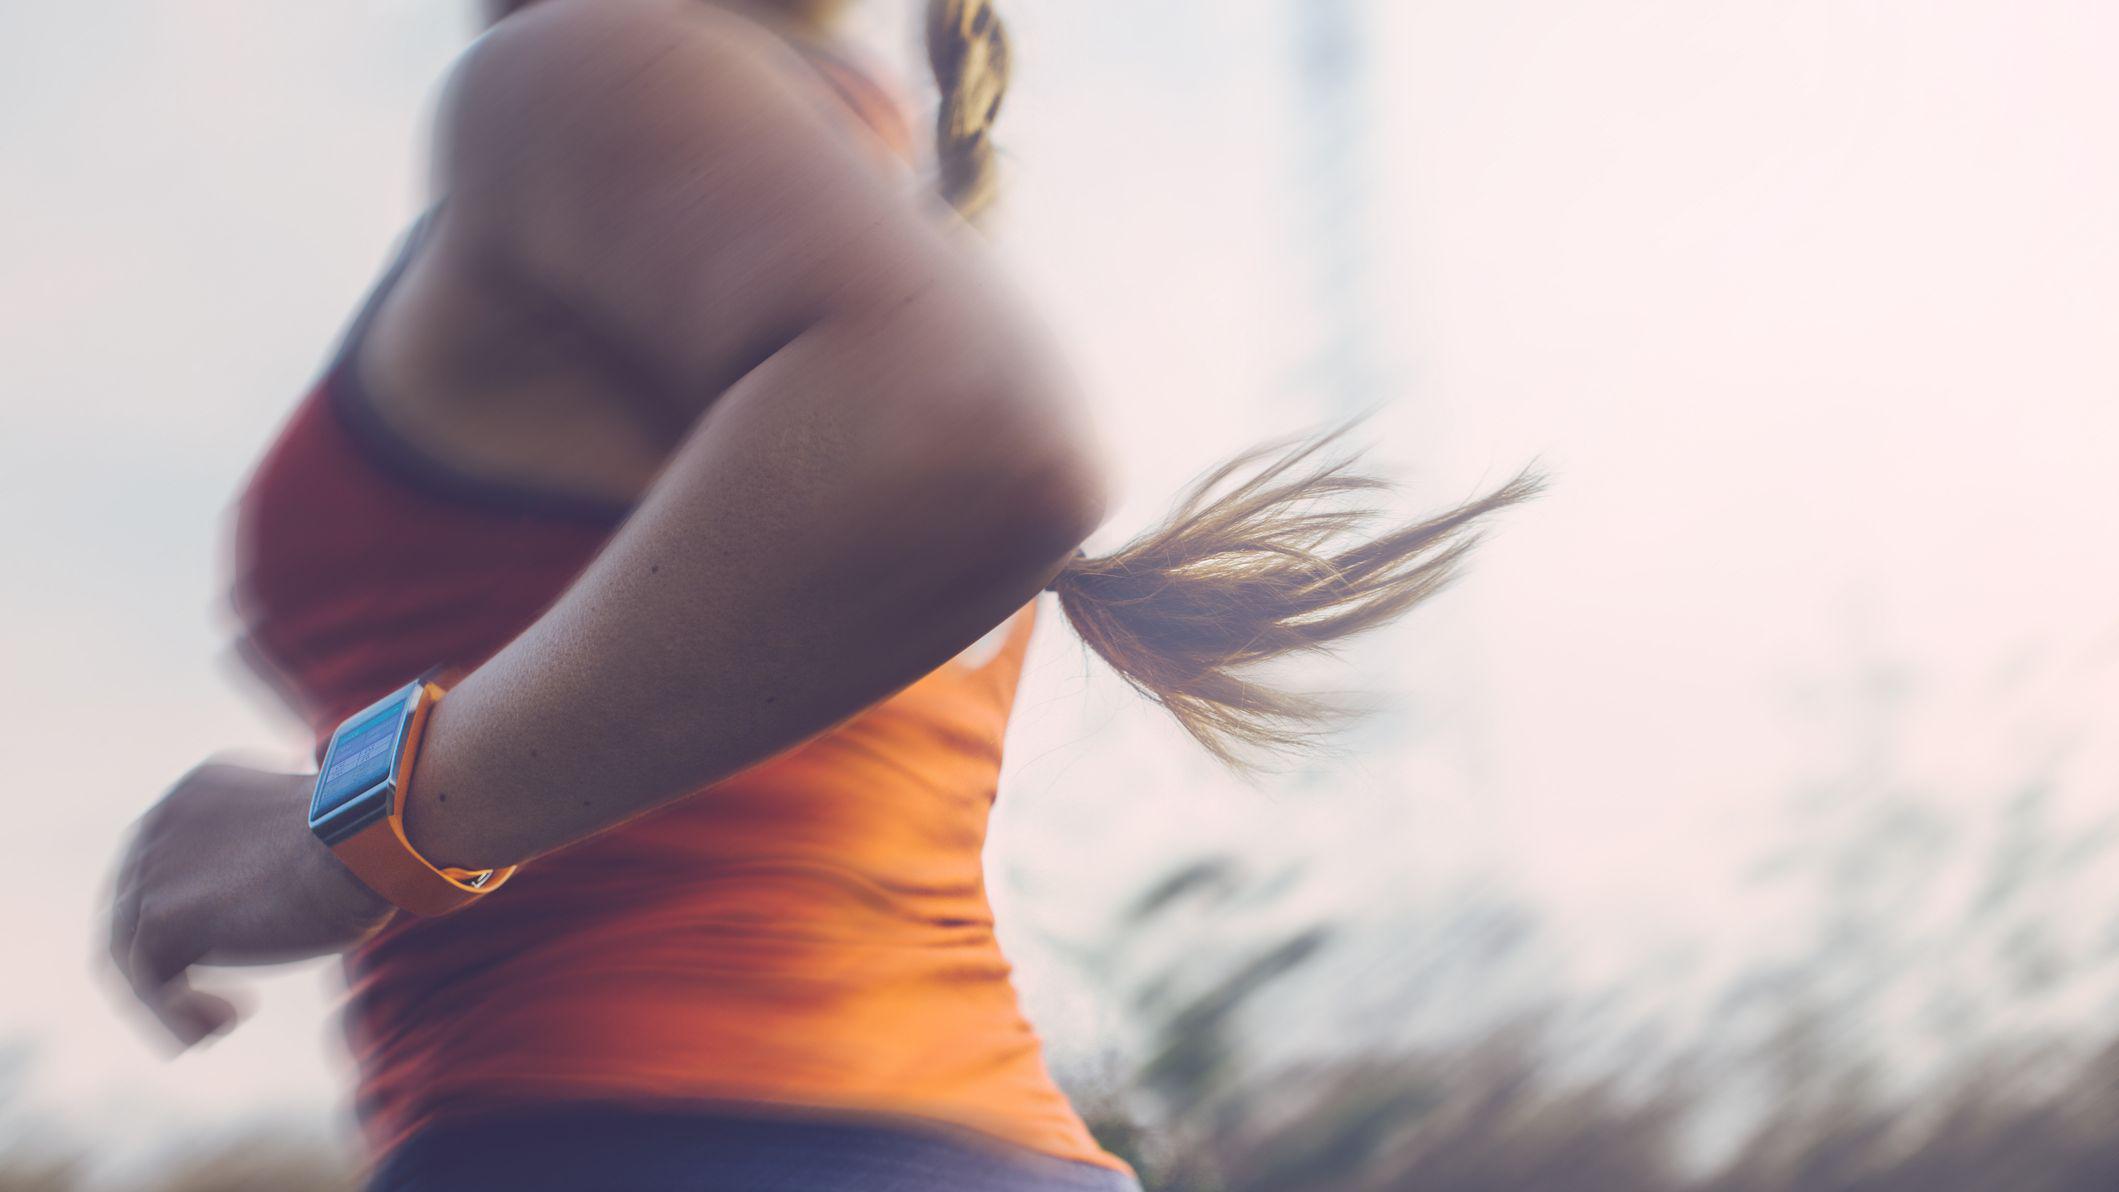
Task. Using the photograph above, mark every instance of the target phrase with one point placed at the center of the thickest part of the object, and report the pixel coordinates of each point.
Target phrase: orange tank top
(812, 934)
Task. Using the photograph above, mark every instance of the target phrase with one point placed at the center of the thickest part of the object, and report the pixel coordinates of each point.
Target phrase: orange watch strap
(382, 857)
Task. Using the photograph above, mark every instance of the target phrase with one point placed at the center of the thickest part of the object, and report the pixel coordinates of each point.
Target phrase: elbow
(1063, 498)
(1038, 476)
(986, 435)
(1008, 468)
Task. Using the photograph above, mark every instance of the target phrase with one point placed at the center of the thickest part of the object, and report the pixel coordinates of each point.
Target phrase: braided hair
(967, 46)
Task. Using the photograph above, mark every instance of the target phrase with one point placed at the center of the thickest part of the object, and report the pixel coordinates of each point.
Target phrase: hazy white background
(1808, 305)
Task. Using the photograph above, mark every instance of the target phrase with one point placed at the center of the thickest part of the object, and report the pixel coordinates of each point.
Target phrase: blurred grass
(255, 1160)
(1492, 1116)
(1496, 1115)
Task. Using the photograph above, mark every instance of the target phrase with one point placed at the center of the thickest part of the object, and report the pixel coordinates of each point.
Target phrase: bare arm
(893, 475)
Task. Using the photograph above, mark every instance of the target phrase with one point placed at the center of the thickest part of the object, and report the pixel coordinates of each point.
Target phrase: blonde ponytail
(1272, 554)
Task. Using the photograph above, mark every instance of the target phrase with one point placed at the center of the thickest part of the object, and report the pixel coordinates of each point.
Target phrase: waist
(610, 975)
(610, 1145)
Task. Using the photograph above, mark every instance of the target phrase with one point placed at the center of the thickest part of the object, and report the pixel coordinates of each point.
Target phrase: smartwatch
(358, 810)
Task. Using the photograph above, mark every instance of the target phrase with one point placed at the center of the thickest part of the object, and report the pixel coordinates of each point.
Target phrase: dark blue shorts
(622, 1150)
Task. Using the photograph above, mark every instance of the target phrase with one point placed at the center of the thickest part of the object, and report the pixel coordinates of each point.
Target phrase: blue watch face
(361, 755)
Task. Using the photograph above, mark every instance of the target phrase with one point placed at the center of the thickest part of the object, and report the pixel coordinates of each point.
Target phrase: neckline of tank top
(405, 461)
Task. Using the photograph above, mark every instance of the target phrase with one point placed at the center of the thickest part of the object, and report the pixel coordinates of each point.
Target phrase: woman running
(707, 459)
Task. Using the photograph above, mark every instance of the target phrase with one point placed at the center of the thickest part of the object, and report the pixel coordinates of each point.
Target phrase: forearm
(831, 531)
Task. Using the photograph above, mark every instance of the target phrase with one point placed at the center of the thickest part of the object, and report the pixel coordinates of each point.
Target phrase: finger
(156, 971)
(192, 1016)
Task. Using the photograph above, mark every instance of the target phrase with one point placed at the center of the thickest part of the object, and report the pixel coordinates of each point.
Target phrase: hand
(224, 870)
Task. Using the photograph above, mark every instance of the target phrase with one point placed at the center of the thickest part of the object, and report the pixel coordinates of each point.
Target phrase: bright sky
(1807, 305)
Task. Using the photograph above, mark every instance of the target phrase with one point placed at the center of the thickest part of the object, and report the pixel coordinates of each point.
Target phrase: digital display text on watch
(360, 762)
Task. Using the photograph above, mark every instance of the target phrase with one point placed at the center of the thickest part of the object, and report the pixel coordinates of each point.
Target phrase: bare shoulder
(674, 172)
(552, 54)
(614, 81)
